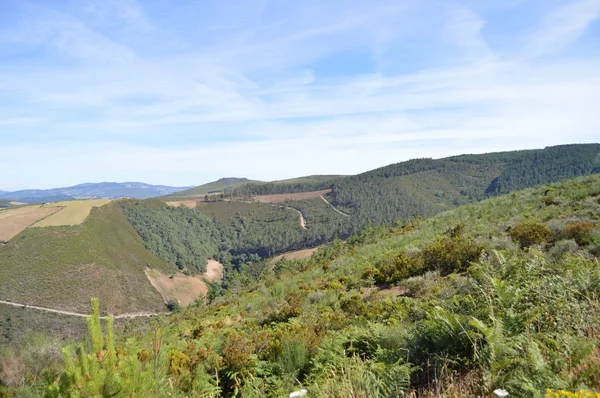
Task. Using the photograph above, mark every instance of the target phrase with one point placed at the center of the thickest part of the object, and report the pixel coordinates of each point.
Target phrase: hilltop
(214, 187)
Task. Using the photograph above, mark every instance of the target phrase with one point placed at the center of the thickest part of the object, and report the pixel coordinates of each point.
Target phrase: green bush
(581, 232)
(450, 255)
(397, 268)
(529, 233)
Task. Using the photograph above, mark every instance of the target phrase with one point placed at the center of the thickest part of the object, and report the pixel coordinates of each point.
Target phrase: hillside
(102, 190)
(497, 294)
(429, 186)
(62, 267)
(309, 179)
(235, 233)
(214, 187)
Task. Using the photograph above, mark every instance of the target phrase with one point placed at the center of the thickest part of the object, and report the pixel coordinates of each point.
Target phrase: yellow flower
(568, 394)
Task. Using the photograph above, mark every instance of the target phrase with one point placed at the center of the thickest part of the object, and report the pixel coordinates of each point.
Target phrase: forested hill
(428, 186)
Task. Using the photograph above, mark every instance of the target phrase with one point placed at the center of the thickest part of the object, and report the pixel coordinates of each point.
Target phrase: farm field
(74, 212)
(282, 197)
(14, 221)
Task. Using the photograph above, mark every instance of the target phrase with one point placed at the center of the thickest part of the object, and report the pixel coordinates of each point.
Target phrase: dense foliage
(429, 186)
(234, 233)
(465, 311)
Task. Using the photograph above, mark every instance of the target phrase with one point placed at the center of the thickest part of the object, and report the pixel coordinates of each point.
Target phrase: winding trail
(302, 219)
(334, 208)
(78, 314)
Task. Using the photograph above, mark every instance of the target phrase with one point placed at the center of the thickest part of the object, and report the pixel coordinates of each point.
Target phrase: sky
(182, 93)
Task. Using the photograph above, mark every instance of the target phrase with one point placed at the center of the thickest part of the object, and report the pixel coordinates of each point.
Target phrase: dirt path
(70, 313)
(333, 207)
(302, 219)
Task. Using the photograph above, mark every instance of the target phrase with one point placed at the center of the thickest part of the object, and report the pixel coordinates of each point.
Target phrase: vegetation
(429, 186)
(62, 267)
(213, 187)
(465, 311)
(234, 233)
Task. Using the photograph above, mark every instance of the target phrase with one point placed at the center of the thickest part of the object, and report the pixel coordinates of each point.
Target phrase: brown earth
(184, 289)
(214, 271)
(13, 221)
(278, 198)
(190, 204)
(297, 255)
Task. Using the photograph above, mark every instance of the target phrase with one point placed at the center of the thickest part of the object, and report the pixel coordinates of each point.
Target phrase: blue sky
(184, 92)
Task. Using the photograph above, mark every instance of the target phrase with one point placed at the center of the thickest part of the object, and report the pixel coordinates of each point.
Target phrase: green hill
(214, 187)
(500, 294)
(429, 186)
(309, 179)
(62, 267)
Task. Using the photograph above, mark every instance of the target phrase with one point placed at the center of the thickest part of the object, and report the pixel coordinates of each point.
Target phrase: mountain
(429, 186)
(107, 190)
(500, 294)
(215, 186)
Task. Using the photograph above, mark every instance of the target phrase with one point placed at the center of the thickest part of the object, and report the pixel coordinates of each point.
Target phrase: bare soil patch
(214, 271)
(190, 204)
(74, 212)
(278, 198)
(297, 255)
(14, 221)
(184, 289)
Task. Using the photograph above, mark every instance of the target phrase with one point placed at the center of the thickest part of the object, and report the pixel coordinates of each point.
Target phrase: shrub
(581, 232)
(451, 255)
(399, 267)
(529, 233)
(563, 247)
(173, 305)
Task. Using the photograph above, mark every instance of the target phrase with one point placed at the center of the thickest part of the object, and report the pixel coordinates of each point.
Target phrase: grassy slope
(214, 186)
(309, 179)
(62, 267)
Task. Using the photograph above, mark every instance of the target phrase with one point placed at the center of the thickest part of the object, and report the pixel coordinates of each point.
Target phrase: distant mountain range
(109, 190)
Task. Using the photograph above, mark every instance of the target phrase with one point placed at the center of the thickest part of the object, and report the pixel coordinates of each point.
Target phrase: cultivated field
(13, 221)
(74, 212)
(278, 198)
(184, 289)
(190, 204)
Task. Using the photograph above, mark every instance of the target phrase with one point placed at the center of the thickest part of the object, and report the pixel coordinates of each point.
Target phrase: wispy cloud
(126, 90)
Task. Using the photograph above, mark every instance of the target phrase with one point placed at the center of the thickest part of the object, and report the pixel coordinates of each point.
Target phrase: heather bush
(529, 233)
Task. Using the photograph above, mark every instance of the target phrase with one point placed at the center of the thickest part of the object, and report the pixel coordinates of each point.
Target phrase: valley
(316, 261)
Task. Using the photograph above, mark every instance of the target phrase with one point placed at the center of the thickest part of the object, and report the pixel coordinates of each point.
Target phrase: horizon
(126, 90)
(267, 181)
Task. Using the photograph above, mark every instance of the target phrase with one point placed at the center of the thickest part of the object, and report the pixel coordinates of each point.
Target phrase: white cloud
(244, 95)
(563, 25)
